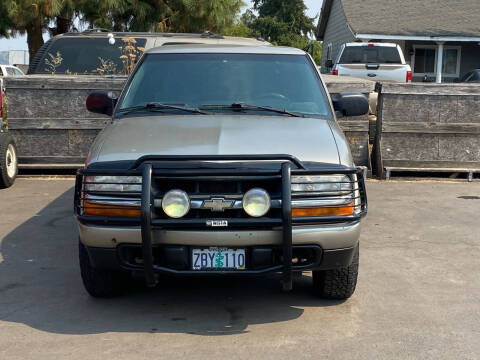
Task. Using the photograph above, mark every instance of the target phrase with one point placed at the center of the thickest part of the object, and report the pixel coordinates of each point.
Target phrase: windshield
(370, 55)
(286, 82)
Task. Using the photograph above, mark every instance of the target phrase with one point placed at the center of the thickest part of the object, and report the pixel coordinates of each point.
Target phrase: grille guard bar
(289, 166)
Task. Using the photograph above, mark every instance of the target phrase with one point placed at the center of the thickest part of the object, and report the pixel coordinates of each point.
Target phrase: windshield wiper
(158, 106)
(243, 106)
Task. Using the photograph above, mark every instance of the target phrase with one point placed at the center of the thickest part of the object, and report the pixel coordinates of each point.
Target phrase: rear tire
(99, 283)
(337, 283)
(8, 161)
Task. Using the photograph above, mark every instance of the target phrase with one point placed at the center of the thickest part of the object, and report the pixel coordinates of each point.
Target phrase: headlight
(256, 202)
(323, 184)
(113, 183)
(323, 195)
(176, 203)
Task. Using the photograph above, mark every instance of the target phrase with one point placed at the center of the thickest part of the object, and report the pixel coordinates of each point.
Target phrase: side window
(17, 72)
(467, 77)
(91, 55)
(10, 71)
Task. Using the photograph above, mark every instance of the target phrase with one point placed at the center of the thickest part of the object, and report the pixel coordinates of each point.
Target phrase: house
(439, 38)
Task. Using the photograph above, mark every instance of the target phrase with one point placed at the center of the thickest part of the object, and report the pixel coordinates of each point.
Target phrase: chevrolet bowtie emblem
(218, 205)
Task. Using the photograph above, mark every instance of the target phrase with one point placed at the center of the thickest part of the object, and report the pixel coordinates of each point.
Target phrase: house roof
(434, 18)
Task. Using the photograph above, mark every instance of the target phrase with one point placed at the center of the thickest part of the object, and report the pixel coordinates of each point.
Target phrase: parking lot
(418, 294)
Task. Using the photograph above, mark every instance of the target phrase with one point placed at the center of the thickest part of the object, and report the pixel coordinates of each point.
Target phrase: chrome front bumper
(327, 236)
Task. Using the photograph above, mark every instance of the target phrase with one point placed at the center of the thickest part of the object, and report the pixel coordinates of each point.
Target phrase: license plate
(218, 259)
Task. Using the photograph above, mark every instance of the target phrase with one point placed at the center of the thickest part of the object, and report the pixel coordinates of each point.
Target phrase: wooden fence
(49, 120)
(428, 127)
(356, 129)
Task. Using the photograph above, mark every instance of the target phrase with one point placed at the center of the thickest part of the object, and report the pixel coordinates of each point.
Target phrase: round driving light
(176, 203)
(256, 202)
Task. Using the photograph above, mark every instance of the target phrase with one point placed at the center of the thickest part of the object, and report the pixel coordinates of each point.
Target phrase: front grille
(215, 187)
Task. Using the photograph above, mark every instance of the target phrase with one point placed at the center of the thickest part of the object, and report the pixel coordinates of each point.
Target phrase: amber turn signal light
(94, 209)
(343, 210)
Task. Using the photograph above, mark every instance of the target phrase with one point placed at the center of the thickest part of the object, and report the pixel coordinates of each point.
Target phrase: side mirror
(101, 103)
(350, 104)
(329, 63)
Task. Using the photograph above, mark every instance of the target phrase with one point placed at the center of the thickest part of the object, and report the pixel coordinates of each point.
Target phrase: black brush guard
(288, 165)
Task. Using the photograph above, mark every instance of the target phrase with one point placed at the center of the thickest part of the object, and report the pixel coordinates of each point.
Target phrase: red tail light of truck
(409, 76)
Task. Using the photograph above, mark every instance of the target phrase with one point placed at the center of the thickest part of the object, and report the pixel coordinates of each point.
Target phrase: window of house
(424, 60)
(450, 61)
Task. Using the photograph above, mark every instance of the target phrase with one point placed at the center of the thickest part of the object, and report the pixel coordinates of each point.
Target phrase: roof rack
(211, 35)
(95, 30)
(101, 31)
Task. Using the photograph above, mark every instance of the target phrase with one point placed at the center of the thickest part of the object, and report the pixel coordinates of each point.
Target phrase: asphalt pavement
(418, 294)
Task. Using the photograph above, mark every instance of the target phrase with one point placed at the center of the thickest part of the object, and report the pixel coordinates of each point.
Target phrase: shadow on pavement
(40, 286)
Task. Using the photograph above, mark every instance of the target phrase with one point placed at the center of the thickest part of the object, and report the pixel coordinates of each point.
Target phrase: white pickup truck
(372, 61)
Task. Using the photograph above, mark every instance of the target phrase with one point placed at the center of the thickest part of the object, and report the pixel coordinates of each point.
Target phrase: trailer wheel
(8, 161)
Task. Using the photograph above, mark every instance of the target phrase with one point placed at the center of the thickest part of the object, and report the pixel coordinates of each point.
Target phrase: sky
(20, 42)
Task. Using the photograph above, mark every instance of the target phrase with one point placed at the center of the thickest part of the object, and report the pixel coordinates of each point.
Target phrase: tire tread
(100, 283)
(337, 283)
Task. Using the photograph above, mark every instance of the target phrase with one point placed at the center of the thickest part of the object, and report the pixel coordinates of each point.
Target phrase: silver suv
(221, 160)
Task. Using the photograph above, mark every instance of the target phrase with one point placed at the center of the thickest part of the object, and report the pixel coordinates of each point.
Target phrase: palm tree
(204, 15)
(33, 17)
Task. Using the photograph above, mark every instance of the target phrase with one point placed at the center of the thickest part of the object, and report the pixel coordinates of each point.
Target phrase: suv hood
(309, 139)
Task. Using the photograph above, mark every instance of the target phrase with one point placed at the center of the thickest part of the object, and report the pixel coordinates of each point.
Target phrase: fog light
(176, 203)
(256, 202)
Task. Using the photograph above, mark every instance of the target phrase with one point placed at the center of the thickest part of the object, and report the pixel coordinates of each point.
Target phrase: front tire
(99, 283)
(337, 283)
(8, 161)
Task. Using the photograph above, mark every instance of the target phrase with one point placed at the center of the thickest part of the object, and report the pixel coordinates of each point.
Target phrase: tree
(161, 15)
(33, 17)
(285, 14)
(239, 29)
(125, 15)
(63, 21)
(284, 22)
(5, 21)
(204, 15)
